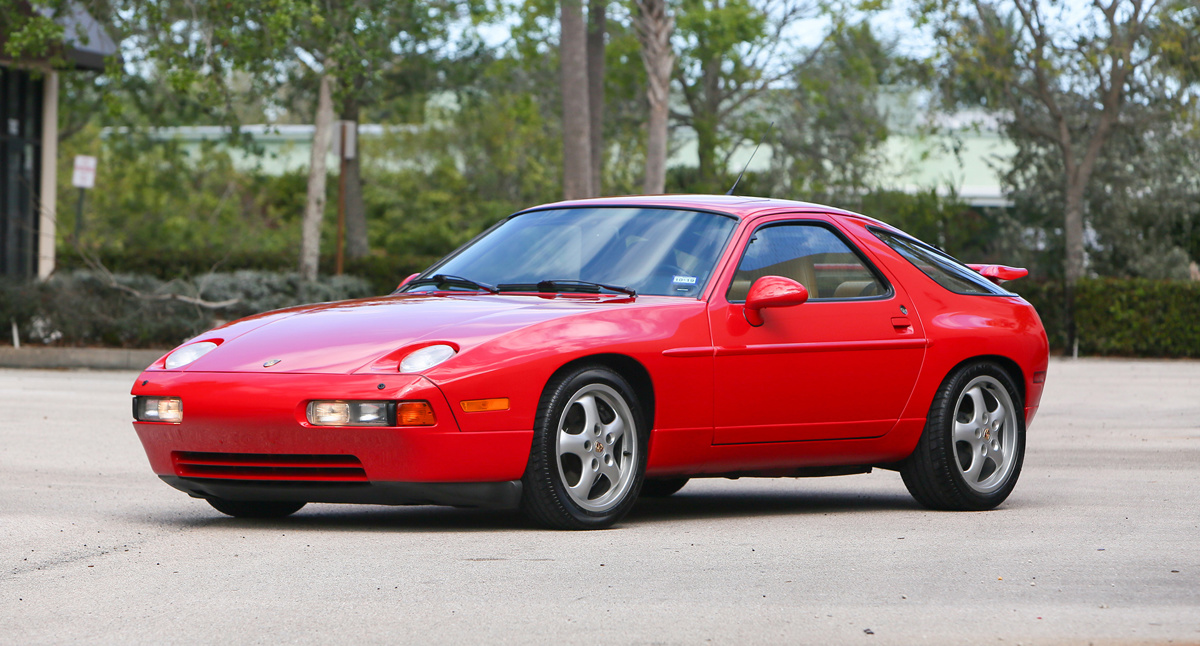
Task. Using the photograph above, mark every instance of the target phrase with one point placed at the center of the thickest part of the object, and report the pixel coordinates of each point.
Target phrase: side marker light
(484, 405)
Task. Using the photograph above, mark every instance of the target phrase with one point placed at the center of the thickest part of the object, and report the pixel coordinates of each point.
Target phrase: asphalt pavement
(1099, 543)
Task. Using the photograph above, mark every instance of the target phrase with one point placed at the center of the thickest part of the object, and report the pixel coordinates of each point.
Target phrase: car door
(841, 365)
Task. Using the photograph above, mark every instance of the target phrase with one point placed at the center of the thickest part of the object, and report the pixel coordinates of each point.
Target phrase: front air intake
(269, 467)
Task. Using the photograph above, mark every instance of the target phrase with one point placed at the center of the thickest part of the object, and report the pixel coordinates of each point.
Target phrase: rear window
(944, 270)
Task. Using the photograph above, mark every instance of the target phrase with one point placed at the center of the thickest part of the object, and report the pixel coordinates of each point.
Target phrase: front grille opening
(269, 466)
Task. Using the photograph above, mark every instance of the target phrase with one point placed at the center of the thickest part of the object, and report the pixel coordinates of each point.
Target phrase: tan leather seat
(798, 269)
(855, 288)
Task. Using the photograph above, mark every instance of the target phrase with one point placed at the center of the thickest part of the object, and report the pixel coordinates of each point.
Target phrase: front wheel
(589, 451)
(255, 508)
(970, 453)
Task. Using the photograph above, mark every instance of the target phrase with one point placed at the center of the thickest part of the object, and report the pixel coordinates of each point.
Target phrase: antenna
(760, 140)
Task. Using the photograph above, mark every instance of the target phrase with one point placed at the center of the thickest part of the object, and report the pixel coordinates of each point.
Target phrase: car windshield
(667, 252)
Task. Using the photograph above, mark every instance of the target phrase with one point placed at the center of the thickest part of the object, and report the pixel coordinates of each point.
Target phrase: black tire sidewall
(932, 473)
(545, 496)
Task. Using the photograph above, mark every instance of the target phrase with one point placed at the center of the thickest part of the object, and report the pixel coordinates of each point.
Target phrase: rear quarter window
(942, 268)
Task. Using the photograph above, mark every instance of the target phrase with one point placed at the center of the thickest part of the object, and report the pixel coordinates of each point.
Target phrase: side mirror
(407, 280)
(772, 291)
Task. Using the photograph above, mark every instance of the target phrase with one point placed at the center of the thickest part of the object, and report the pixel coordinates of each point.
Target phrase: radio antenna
(739, 177)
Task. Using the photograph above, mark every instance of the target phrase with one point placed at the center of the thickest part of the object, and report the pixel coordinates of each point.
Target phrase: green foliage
(830, 124)
(1124, 317)
(84, 308)
(28, 34)
(160, 198)
(728, 54)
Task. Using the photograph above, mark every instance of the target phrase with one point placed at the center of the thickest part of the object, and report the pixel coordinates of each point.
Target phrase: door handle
(902, 325)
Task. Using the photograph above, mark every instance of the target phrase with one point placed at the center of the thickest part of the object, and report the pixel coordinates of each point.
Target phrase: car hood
(373, 335)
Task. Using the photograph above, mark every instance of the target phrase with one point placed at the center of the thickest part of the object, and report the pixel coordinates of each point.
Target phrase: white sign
(349, 131)
(85, 172)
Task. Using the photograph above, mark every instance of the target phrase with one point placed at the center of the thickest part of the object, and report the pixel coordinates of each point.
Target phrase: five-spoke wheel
(970, 454)
(589, 451)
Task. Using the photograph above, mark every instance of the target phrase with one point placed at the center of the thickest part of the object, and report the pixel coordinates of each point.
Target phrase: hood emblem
(272, 362)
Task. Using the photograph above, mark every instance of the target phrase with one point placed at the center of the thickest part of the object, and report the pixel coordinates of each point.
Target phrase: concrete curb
(92, 358)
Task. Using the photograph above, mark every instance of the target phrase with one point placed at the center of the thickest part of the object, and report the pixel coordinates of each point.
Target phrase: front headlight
(426, 357)
(341, 412)
(158, 409)
(188, 354)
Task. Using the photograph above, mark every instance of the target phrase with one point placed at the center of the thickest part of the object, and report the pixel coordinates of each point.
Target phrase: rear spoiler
(1000, 273)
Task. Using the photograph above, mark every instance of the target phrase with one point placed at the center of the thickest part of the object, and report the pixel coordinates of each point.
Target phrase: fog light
(158, 409)
(351, 413)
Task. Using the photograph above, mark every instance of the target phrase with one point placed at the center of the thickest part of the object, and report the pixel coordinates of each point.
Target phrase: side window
(809, 254)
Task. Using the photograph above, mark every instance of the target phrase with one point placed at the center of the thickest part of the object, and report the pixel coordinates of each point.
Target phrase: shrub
(1123, 316)
(83, 308)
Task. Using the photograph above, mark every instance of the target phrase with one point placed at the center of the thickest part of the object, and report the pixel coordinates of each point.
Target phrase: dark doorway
(20, 171)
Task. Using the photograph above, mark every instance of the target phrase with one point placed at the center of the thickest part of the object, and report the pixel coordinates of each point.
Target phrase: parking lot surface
(1099, 543)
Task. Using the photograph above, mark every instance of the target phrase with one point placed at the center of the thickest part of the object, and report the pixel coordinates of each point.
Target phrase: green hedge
(1123, 316)
(82, 308)
(382, 272)
(1126, 317)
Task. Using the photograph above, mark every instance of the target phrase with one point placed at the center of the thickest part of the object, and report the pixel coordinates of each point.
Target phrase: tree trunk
(597, 26)
(1074, 261)
(577, 155)
(356, 209)
(706, 153)
(314, 207)
(654, 26)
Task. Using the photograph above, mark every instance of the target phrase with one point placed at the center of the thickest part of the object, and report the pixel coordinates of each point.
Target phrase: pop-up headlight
(158, 409)
(426, 358)
(188, 354)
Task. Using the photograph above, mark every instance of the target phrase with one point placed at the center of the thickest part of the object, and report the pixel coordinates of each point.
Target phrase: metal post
(341, 223)
(79, 216)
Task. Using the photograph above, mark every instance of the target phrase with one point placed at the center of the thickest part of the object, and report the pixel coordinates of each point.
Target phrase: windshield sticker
(685, 280)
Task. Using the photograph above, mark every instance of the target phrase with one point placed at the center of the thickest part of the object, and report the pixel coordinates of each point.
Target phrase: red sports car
(580, 354)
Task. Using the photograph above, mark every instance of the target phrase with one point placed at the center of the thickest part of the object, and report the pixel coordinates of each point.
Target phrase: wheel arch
(1011, 367)
(631, 369)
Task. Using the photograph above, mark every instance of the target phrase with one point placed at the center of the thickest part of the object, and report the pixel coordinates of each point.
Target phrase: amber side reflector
(483, 405)
(415, 414)
(1039, 377)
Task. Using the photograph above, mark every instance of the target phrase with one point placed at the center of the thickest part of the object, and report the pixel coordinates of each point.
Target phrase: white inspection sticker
(685, 280)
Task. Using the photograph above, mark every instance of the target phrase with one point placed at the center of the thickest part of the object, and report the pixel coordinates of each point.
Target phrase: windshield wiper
(563, 285)
(438, 279)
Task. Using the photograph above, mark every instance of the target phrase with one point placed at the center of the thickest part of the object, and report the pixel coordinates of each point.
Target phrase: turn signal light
(415, 414)
(484, 405)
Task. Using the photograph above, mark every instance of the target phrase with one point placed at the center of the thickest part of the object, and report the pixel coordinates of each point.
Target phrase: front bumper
(496, 495)
(245, 437)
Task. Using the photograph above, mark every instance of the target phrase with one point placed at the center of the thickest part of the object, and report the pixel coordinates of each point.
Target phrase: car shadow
(709, 505)
(683, 506)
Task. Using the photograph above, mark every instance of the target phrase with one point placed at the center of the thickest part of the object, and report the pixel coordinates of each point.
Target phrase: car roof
(741, 207)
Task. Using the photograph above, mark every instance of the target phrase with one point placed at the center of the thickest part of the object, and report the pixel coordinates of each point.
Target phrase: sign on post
(85, 172)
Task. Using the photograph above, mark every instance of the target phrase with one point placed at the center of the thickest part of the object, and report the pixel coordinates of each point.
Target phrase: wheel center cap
(599, 448)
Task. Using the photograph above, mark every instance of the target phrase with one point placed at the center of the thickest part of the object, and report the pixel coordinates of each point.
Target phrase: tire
(589, 451)
(662, 488)
(971, 451)
(255, 508)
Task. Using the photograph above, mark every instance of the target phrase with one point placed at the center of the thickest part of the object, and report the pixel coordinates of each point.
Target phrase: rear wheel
(255, 508)
(589, 451)
(973, 446)
(662, 488)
